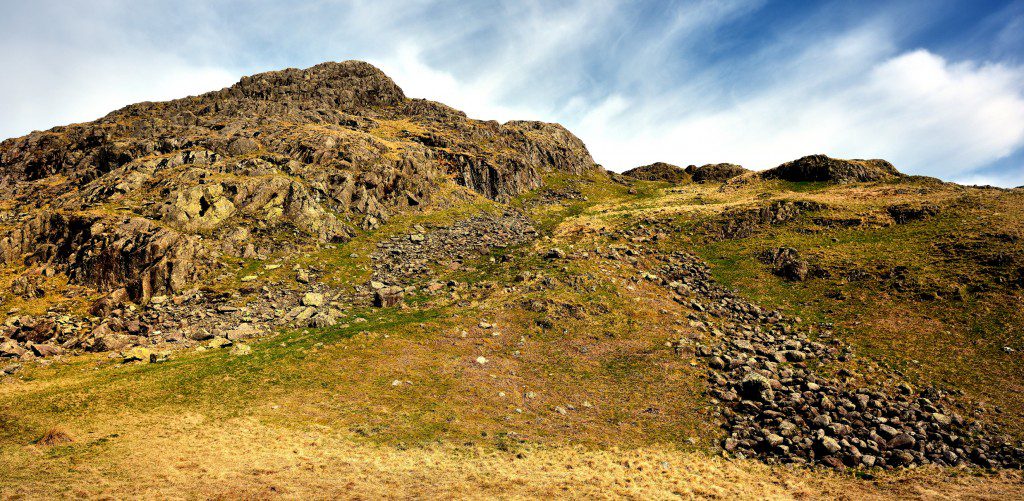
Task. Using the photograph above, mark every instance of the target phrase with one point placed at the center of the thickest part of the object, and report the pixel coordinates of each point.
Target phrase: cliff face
(141, 197)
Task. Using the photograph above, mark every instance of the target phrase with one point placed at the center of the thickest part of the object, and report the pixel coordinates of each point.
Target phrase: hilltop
(308, 284)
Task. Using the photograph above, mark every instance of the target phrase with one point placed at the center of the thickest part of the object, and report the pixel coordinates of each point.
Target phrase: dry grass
(55, 436)
(191, 456)
(315, 414)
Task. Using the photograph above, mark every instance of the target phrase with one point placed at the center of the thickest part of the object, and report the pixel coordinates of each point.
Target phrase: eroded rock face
(834, 170)
(137, 198)
(108, 252)
(744, 222)
(716, 173)
(658, 171)
(786, 263)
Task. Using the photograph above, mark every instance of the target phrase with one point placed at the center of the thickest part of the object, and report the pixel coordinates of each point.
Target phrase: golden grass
(191, 456)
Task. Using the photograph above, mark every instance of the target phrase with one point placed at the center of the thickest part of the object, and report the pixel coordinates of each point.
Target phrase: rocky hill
(147, 197)
(310, 285)
(658, 171)
(833, 170)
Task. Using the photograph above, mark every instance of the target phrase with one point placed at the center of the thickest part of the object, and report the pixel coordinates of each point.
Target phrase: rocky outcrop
(820, 168)
(108, 252)
(658, 171)
(786, 263)
(744, 222)
(315, 154)
(905, 213)
(715, 173)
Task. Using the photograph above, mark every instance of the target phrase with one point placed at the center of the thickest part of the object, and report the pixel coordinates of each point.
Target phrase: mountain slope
(539, 322)
(315, 154)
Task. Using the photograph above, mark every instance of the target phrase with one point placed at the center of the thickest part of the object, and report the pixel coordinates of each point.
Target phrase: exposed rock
(744, 222)
(46, 350)
(905, 213)
(138, 354)
(314, 299)
(658, 171)
(10, 348)
(821, 168)
(109, 252)
(312, 152)
(715, 172)
(786, 263)
(765, 391)
(387, 297)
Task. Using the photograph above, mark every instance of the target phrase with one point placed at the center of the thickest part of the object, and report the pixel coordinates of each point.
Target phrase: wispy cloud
(696, 81)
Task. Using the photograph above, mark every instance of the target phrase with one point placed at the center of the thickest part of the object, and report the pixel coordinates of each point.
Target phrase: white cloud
(87, 89)
(916, 109)
(637, 82)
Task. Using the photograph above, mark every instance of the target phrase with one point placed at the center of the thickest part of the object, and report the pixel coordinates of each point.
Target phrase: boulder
(786, 263)
(138, 354)
(756, 387)
(314, 299)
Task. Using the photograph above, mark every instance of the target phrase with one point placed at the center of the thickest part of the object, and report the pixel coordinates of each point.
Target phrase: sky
(934, 86)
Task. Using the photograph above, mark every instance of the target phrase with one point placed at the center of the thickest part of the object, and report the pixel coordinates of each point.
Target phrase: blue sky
(936, 87)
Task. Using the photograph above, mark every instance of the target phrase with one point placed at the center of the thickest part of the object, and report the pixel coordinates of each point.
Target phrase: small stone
(137, 354)
(828, 445)
(218, 342)
(555, 253)
(941, 419)
(887, 431)
(302, 276)
(249, 278)
(756, 387)
(902, 458)
(46, 350)
(481, 360)
(314, 299)
(902, 441)
(11, 368)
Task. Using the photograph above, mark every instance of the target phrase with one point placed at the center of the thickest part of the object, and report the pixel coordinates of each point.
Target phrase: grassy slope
(315, 412)
(955, 339)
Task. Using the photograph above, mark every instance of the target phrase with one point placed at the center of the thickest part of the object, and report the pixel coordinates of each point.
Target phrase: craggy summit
(143, 197)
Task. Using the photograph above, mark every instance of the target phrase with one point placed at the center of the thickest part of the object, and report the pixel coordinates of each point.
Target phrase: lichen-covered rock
(786, 263)
(822, 168)
(146, 196)
(658, 171)
(715, 173)
(108, 252)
